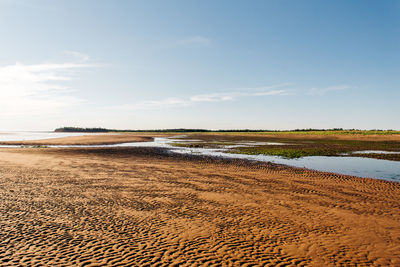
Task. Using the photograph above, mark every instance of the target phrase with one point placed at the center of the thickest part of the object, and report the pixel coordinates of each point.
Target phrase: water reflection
(357, 166)
(375, 152)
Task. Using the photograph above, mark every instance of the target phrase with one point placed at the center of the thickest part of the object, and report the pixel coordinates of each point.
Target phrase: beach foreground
(137, 206)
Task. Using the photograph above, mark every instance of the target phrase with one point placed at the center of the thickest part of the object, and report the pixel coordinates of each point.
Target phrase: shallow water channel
(356, 166)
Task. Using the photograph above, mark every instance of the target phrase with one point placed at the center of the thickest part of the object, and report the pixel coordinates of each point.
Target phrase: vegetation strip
(297, 148)
(310, 131)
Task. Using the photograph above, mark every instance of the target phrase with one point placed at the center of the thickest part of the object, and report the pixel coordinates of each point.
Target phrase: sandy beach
(143, 206)
(199, 133)
(101, 139)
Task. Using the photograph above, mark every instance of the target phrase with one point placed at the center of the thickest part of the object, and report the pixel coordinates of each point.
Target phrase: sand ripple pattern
(125, 208)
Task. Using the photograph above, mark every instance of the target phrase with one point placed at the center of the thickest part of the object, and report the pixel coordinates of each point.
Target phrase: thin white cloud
(157, 104)
(323, 91)
(202, 98)
(37, 88)
(195, 40)
(263, 88)
(220, 97)
(79, 56)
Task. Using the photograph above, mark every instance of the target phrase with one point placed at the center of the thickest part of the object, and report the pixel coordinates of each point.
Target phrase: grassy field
(310, 132)
(340, 132)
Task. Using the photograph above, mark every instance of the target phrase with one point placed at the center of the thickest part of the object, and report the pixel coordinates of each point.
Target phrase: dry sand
(100, 139)
(141, 206)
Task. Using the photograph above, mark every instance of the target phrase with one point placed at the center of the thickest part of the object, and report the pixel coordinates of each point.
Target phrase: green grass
(291, 153)
(296, 147)
(316, 132)
(214, 144)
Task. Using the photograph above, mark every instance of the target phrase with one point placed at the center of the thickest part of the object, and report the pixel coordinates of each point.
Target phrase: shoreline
(113, 139)
(167, 154)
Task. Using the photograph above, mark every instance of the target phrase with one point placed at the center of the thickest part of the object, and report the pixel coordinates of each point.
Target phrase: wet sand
(143, 206)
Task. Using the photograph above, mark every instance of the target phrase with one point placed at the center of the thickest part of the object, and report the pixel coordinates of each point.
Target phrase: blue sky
(271, 64)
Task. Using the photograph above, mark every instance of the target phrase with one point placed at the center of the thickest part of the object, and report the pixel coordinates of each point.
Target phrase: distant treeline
(77, 129)
(183, 130)
(104, 130)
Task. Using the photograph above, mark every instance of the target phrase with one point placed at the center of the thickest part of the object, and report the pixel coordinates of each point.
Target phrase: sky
(260, 64)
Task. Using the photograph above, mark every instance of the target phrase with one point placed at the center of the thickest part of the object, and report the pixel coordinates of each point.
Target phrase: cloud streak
(232, 95)
(172, 102)
(79, 56)
(221, 97)
(322, 91)
(36, 88)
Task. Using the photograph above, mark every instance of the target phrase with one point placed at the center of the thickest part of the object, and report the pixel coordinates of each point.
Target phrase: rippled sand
(136, 206)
